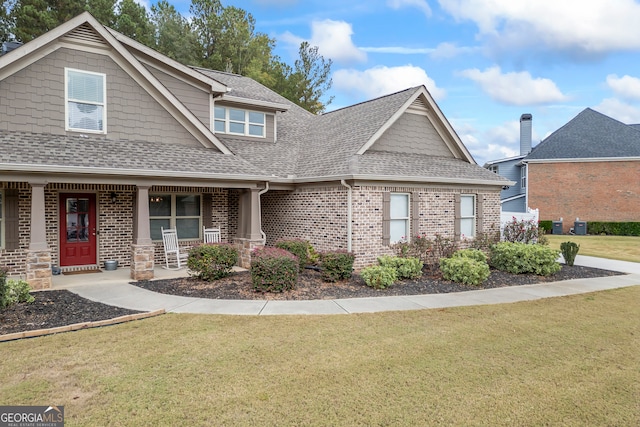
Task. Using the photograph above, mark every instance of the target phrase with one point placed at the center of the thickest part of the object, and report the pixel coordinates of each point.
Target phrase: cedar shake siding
(196, 100)
(412, 134)
(35, 101)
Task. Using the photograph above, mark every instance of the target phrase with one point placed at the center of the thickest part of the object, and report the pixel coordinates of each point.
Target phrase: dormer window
(85, 101)
(235, 121)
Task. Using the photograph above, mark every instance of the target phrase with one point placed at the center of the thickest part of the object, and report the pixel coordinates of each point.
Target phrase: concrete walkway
(113, 288)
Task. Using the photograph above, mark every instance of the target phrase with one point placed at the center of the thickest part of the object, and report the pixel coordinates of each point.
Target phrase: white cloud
(626, 87)
(420, 4)
(399, 50)
(333, 39)
(596, 26)
(449, 50)
(381, 80)
(515, 88)
(619, 110)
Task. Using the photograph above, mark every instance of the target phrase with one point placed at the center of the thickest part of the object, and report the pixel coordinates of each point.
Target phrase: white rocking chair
(211, 235)
(172, 249)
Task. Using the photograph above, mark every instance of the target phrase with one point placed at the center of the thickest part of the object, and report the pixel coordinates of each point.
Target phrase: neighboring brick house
(105, 141)
(588, 169)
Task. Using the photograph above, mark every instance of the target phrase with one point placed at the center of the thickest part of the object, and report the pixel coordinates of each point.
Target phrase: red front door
(77, 229)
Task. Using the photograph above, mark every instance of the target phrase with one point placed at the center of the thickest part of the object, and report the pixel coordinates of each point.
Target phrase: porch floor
(119, 275)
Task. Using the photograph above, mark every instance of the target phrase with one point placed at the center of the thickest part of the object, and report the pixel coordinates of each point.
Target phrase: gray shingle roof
(589, 135)
(28, 149)
(431, 168)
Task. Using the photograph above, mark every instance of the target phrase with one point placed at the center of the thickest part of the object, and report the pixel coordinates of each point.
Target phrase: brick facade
(320, 215)
(114, 221)
(591, 191)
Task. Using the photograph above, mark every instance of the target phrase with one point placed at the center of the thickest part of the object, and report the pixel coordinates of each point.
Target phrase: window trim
(473, 217)
(406, 219)
(173, 217)
(246, 123)
(523, 176)
(103, 104)
(495, 169)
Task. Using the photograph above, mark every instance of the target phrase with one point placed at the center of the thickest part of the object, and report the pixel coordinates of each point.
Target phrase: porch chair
(172, 249)
(211, 235)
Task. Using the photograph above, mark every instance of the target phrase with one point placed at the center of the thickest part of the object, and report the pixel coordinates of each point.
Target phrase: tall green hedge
(614, 228)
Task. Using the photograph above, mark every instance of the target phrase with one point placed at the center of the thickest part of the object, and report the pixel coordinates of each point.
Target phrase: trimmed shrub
(379, 277)
(517, 258)
(474, 254)
(466, 270)
(300, 248)
(212, 261)
(274, 270)
(614, 228)
(546, 225)
(569, 251)
(406, 268)
(336, 265)
(13, 291)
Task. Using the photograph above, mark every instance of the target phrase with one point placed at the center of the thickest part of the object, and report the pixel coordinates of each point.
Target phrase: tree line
(217, 37)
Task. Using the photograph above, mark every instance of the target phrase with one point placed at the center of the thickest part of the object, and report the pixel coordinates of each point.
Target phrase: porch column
(142, 249)
(38, 266)
(249, 225)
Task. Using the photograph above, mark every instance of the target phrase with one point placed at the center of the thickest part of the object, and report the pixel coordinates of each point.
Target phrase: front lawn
(624, 248)
(561, 361)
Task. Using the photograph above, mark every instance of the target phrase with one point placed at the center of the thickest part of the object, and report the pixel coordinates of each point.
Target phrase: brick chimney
(525, 134)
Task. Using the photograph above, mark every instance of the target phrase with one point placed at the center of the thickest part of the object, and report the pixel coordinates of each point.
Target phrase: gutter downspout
(349, 212)
(260, 193)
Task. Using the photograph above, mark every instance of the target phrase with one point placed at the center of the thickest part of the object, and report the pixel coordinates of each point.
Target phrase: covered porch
(54, 223)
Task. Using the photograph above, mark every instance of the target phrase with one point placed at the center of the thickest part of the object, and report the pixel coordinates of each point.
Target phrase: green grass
(570, 361)
(625, 248)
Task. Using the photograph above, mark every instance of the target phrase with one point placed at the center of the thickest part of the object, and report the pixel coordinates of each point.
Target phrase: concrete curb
(79, 326)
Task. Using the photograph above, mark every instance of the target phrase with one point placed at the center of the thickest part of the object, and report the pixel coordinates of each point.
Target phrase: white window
(468, 215)
(179, 211)
(523, 177)
(85, 101)
(494, 168)
(235, 121)
(399, 217)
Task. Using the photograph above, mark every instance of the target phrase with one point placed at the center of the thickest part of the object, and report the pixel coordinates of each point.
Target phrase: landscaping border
(80, 326)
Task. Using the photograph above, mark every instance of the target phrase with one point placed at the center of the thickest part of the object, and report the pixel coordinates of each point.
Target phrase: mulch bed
(60, 307)
(310, 285)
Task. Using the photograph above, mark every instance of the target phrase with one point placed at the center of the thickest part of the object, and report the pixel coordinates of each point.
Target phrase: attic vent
(84, 33)
(418, 106)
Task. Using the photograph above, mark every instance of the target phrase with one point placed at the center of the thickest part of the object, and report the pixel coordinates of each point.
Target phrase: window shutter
(386, 218)
(415, 214)
(458, 214)
(12, 229)
(479, 214)
(207, 217)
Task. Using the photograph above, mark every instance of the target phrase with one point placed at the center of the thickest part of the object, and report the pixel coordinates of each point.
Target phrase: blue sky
(484, 61)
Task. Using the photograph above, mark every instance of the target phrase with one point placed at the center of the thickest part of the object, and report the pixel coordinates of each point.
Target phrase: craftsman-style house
(105, 142)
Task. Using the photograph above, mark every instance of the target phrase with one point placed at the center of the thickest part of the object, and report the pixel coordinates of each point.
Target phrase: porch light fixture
(113, 197)
(156, 199)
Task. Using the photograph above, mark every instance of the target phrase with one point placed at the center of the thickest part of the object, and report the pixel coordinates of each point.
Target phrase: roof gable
(421, 102)
(589, 135)
(85, 30)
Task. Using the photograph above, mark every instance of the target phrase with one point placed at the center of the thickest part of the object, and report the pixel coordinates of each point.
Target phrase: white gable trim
(437, 119)
(49, 42)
